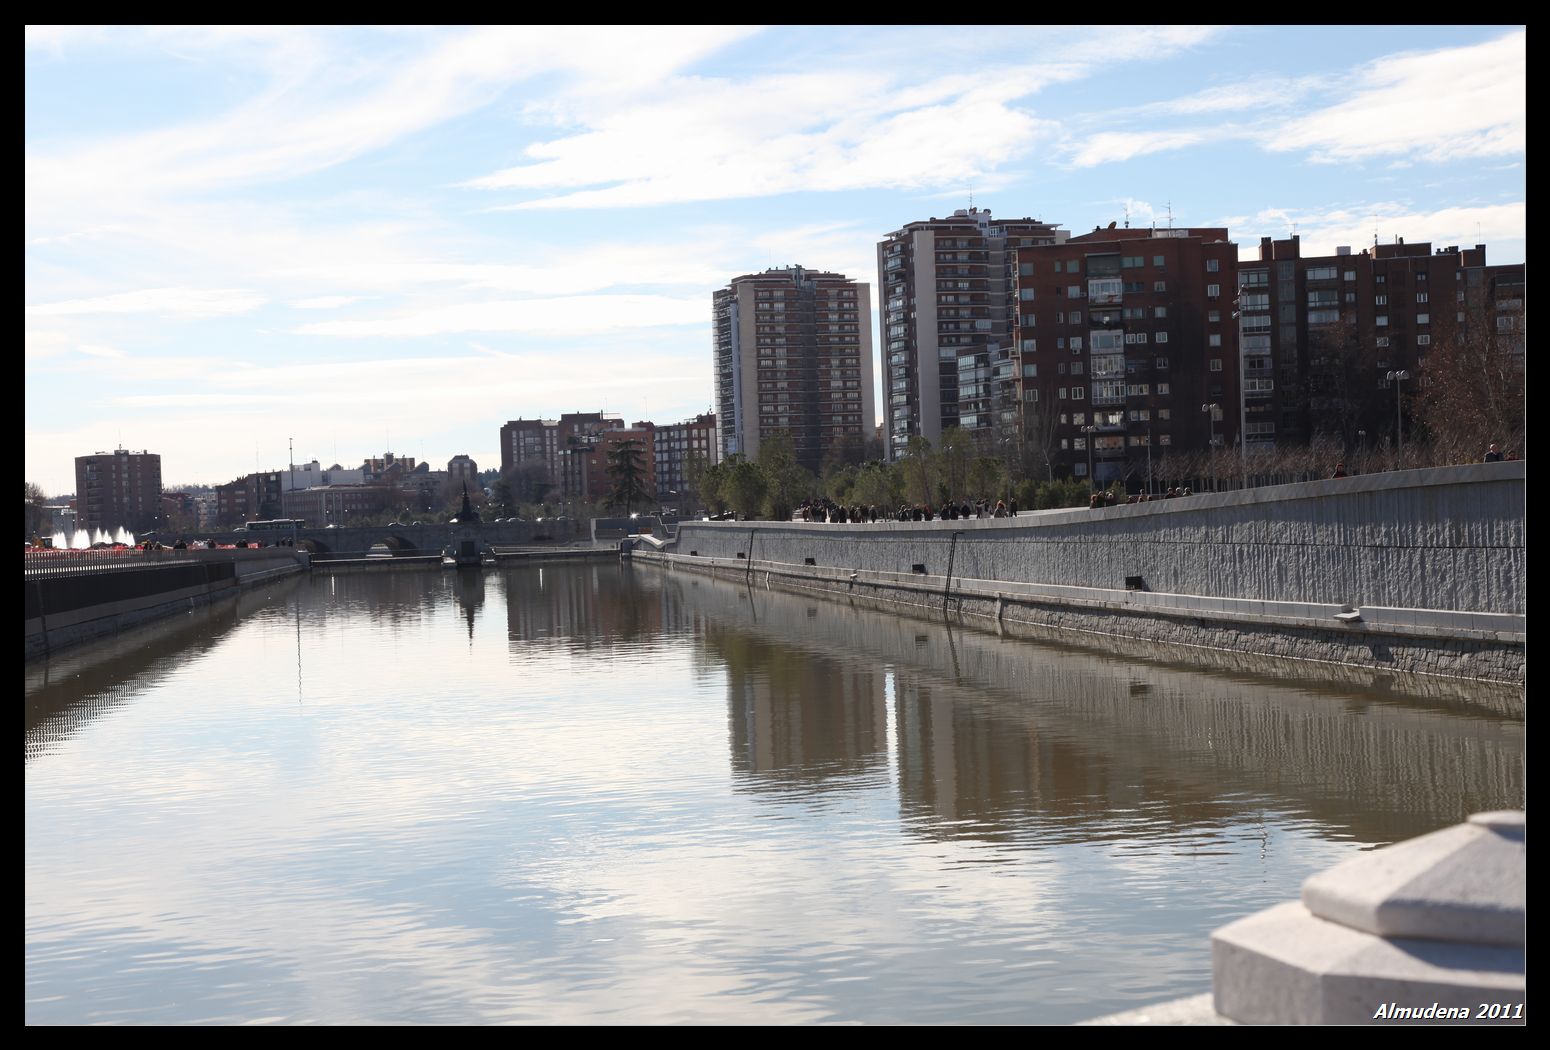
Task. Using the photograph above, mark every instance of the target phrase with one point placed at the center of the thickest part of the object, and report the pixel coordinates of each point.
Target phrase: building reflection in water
(998, 739)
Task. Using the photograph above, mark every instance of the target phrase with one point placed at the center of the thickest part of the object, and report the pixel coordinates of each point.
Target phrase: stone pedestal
(1426, 931)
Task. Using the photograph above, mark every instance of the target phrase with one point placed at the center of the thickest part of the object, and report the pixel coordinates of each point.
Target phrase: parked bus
(277, 525)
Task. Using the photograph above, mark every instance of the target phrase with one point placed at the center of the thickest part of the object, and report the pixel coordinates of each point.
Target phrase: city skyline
(391, 239)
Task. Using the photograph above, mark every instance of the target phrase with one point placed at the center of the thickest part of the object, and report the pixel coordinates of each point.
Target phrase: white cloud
(186, 302)
(1110, 147)
(1437, 106)
(324, 302)
(1321, 232)
(850, 127)
(93, 350)
(572, 315)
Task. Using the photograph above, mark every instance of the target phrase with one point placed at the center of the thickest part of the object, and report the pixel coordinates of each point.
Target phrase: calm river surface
(605, 794)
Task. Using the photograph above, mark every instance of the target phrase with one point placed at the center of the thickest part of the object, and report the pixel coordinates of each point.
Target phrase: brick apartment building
(118, 489)
(793, 354)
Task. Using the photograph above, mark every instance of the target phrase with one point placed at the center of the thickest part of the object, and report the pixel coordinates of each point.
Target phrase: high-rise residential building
(679, 447)
(793, 354)
(947, 289)
(1127, 349)
(118, 489)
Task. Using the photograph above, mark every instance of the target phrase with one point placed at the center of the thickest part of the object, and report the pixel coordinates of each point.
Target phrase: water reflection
(998, 736)
(667, 798)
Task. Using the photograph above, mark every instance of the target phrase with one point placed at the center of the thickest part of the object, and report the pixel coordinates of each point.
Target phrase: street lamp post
(1090, 431)
(1399, 420)
(1211, 411)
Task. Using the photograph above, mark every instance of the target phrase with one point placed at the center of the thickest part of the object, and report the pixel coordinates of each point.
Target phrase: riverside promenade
(1420, 572)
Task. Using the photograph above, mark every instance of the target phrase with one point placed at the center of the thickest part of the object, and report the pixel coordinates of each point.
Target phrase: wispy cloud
(1436, 106)
(324, 302)
(572, 315)
(1113, 146)
(1321, 231)
(701, 138)
(185, 302)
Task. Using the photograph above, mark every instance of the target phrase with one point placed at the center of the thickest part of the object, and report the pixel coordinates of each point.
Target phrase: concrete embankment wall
(1432, 560)
(62, 611)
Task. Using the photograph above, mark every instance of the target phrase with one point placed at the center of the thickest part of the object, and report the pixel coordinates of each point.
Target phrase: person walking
(1493, 454)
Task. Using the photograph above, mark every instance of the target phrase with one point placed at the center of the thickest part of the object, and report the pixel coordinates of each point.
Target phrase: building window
(1080, 419)
(1060, 342)
(1025, 294)
(1161, 311)
(1383, 340)
(1076, 317)
(1380, 279)
(1214, 316)
(1380, 300)
(1350, 275)
(1214, 340)
(1078, 393)
(1061, 368)
(1213, 291)
(1074, 291)
(1162, 337)
(1076, 344)
(1165, 439)
(1213, 265)
(1421, 297)
(1159, 286)
(1383, 320)
(1062, 393)
(1216, 364)
(1423, 340)
(1423, 318)
(1162, 388)
(1165, 413)
(1030, 346)
(1025, 269)
(1161, 362)
(1158, 261)
(1060, 317)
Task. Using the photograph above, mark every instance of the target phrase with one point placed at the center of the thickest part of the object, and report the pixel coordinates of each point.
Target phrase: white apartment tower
(949, 292)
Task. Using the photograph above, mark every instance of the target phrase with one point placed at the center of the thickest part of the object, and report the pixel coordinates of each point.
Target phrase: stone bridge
(400, 539)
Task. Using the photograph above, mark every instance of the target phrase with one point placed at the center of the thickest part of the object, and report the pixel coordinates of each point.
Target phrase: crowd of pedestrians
(826, 510)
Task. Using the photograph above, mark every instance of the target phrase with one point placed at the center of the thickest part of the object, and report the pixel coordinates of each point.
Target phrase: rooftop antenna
(1170, 214)
(1127, 215)
(971, 196)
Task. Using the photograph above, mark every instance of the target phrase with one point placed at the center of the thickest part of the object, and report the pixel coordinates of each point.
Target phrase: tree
(744, 486)
(627, 467)
(786, 483)
(918, 472)
(955, 457)
(1471, 388)
(712, 483)
(36, 516)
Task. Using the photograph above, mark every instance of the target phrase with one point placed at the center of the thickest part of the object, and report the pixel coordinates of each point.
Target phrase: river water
(611, 794)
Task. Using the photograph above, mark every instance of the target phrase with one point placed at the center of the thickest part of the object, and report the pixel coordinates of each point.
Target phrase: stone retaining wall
(1416, 571)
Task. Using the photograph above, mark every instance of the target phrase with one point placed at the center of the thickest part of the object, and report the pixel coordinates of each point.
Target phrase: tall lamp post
(1090, 431)
(1212, 410)
(1399, 420)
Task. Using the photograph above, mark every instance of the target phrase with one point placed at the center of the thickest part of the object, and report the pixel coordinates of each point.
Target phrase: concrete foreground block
(1287, 966)
(1465, 884)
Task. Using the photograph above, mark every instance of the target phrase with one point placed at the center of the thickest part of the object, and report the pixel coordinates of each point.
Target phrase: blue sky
(374, 239)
